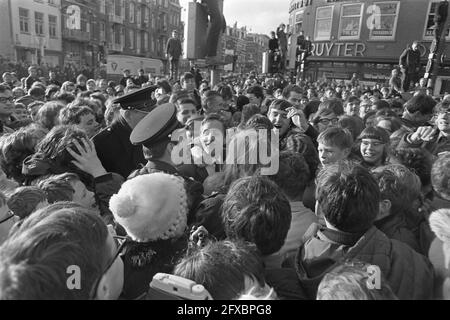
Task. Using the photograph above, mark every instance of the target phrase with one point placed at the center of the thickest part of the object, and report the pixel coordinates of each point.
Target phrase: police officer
(113, 145)
(154, 134)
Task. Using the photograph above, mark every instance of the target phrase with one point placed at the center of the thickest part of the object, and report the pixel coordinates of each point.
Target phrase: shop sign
(338, 49)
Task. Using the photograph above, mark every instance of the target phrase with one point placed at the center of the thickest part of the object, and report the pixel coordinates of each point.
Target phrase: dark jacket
(395, 227)
(173, 48)
(142, 261)
(409, 274)
(115, 150)
(411, 60)
(273, 44)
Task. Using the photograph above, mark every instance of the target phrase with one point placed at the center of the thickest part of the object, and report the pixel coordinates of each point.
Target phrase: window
(147, 15)
(299, 21)
(24, 20)
(118, 7)
(138, 15)
(384, 20)
(139, 41)
(102, 31)
(132, 13)
(145, 41)
(103, 6)
(351, 20)
(429, 27)
(324, 19)
(39, 23)
(52, 25)
(131, 35)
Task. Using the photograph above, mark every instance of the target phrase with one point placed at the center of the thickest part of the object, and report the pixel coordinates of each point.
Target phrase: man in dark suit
(410, 64)
(113, 145)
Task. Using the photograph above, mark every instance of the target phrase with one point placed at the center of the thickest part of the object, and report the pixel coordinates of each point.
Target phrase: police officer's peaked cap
(156, 127)
(137, 100)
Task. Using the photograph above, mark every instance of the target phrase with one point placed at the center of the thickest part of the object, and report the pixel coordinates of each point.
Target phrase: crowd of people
(89, 183)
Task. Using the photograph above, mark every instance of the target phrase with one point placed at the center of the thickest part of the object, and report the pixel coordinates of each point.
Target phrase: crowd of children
(93, 204)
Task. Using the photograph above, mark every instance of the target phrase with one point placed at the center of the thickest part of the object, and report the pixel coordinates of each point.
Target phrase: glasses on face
(8, 217)
(6, 99)
(120, 243)
(326, 122)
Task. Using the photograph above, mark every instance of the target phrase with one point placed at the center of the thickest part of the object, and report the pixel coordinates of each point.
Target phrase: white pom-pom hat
(440, 224)
(151, 207)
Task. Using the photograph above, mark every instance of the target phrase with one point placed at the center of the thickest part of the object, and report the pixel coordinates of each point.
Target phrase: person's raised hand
(298, 118)
(423, 134)
(86, 158)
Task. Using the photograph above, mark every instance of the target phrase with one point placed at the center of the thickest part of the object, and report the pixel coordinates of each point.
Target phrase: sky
(260, 16)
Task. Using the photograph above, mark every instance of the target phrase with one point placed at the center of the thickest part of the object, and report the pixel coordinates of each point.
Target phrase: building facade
(363, 37)
(246, 48)
(6, 45)
(35, 27)
(83, 39)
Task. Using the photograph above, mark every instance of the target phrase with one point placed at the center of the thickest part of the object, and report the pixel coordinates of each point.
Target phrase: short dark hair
(417, 160)
(54, 145)
(348, 196)
(4, 88)
(440, 176)
(186, 76)
(58, 188)
(257, 91)
(24, 200)
(291, 88)
(37, 92)
(35, 258)
(280, 104)
(332, 104)
(256, 210)
(72, 114)
(353, 124)
(422, 103)
(335, 136)
(222, 267)
(293, 175)
(392, 189)
(165, 85)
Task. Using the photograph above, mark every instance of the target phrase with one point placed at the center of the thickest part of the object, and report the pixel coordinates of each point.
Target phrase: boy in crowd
(39, 261)
(256, 210)
(335, 144)
(226, 269)
(293, 177)
(348, 197)
(81, 116)
(67, 187)
(396, 202)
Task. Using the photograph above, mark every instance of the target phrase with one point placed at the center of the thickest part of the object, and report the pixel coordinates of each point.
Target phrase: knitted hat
(375, 133)
(151, 207)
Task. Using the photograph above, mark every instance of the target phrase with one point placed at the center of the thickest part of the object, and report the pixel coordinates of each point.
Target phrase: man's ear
(385, 209)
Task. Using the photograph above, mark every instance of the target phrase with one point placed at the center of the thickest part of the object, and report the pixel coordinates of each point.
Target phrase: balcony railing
(76, 35)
